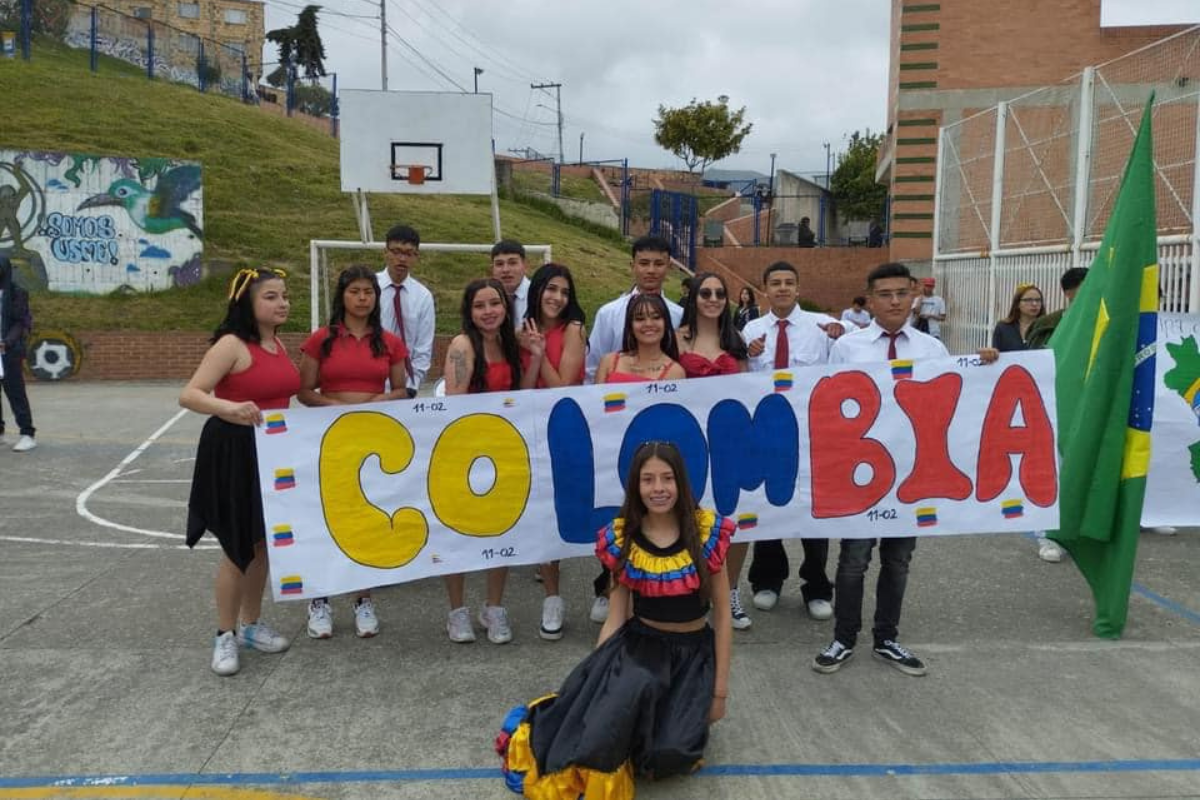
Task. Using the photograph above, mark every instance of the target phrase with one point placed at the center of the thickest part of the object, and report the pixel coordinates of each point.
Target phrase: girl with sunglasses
(642, 702)
(246, 371)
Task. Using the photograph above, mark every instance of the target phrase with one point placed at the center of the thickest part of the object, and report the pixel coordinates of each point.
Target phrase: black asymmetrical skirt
(638, 704)
(226, 498)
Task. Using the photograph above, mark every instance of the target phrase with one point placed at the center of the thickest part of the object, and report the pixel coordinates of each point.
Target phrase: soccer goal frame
(318, 254)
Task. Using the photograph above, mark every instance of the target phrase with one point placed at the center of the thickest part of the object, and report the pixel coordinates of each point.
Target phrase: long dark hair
(508, 337)
(239, 314)
(633, 510)
(629, 342)
(572, 312)
(337, 316)
(730, 339)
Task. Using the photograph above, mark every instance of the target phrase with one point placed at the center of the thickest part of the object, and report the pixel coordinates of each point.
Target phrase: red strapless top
(498, 377)
(697, 366)
(269, 381)
(629, 377)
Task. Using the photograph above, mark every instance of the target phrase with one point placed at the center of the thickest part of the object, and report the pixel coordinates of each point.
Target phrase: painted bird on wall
(155, 211)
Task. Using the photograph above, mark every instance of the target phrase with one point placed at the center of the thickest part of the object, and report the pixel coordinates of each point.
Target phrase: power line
(492, 54)
(434, 35)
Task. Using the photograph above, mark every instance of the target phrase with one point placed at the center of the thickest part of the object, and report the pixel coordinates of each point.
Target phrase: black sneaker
(893, 653)
(832, 658)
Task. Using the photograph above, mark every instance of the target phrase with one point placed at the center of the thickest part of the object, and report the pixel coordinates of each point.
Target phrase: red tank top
(555, 341)
(269, 382)
(629, 377)
(498, 377)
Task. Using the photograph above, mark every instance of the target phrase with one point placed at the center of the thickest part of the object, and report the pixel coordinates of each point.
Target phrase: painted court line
(81, 502)
(728, 770)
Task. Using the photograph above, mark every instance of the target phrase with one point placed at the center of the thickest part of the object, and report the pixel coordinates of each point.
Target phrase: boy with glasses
(405, 305)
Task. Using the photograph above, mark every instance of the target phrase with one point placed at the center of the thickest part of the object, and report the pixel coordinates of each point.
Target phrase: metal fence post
(291, 87)
(26, 29)
(202, 68)
(150, 51)
(333, 115)
(93, 56)
(555, 178)
(1083, 163)
(626, 211)
(997, 199)
(1194, 282)
(756, 204)
(939, 171)
(245, 80)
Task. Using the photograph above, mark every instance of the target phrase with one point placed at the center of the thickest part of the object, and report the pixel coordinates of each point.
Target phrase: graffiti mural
(84, 223)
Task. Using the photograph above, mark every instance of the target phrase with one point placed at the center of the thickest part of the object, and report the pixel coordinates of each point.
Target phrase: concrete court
(106, 623)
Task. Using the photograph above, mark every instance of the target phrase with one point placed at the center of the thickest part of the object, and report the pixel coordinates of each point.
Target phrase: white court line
(81, 502)
(152, 480)
(120, 545)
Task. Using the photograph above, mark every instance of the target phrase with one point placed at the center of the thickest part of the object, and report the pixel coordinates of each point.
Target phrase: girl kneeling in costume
(659, 676)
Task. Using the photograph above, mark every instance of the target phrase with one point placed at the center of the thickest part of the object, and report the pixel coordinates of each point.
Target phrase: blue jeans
(13, 384)
(853, 560)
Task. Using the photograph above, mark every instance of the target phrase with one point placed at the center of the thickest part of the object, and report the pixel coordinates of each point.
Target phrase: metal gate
(673, 217)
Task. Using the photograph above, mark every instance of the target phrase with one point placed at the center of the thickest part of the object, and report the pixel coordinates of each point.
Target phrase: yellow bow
(245, 277)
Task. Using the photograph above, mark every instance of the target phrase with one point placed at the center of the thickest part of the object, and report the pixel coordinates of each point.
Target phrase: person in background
(405, 305)
(747, 308)
(929, 310)
(1043, 328)
(857, 315)
(14, 311)
(351, 360)
(1027, 306)
(804, 234)
(509, 267)
(649, 265)
(554, 310)
(245, 372)
(485, 357)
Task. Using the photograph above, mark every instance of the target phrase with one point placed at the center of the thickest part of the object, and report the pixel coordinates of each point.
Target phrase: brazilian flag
(1104, 351)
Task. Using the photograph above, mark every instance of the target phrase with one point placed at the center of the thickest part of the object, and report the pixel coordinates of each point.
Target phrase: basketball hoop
(414, 174)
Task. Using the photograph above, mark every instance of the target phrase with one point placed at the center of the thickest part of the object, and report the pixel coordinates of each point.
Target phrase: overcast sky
(807, 71)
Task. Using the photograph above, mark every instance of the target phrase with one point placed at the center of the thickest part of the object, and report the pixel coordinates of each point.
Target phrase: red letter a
(1034, 441)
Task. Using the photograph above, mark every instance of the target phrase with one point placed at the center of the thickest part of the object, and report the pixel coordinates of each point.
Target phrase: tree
(701, 133)
(855, 192)
(314, 100)
(300, 46)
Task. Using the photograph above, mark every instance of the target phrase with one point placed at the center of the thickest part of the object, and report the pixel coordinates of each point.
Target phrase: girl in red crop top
(485, 358)
(352, 360)
(245, 371)
(648, 350)
(709, 344)
(554, 310)
(659, 673)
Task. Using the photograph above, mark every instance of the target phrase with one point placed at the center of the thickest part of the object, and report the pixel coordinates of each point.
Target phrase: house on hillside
(235, 27)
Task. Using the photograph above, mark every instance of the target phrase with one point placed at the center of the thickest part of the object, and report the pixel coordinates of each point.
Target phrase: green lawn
(270, 186)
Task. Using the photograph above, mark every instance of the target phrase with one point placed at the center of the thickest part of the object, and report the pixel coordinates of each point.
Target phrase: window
(235, 16)
(189, 10)
(238, 49)
(143, 12)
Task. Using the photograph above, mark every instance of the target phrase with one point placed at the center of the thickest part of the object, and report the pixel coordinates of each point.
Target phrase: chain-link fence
(1026, 188)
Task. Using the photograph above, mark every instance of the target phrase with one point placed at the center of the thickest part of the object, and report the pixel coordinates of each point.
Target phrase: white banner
(1173, 485)
(363, 496)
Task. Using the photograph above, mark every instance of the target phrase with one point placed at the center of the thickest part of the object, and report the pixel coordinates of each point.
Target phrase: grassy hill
(270, 185)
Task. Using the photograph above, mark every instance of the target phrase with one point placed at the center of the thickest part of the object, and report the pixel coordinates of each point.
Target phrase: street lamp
(478, 72)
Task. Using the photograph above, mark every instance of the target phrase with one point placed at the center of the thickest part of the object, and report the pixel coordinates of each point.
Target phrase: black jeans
(855, 556)
(769, 568)
(13, 384)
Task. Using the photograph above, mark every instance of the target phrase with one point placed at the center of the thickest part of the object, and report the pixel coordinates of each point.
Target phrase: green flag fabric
(1104, 352)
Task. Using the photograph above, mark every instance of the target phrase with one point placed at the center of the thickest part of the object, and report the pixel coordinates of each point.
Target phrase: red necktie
(399, 311)
(892, 344)
(781, 345)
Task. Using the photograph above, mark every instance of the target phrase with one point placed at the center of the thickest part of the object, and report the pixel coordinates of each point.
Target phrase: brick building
(239, 25)
(952, 59)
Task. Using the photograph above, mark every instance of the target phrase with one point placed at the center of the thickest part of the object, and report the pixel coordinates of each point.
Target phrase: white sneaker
(458, 626)
(1049, 550)
(495, 620)
(320, 619)
(599, 612)
(261, 636)
(820, 609)
(765, 600)
(553, 611)
(1163, 530)
(24, 444)
(225, 654)
(366, 624)
(741, 620)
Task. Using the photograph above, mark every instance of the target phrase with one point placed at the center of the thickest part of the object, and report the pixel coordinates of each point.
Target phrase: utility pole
(581, 147)
(383, 44)
(557, 87)
(828, 173)
(478, 72)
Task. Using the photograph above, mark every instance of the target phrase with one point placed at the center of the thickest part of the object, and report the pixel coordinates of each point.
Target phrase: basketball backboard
(416, 142)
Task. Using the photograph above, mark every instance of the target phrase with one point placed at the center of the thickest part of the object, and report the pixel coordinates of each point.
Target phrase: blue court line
(719, 771)
(1167, 604)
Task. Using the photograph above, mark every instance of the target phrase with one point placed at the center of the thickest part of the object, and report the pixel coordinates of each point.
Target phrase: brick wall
(829, 276)
(144, 355)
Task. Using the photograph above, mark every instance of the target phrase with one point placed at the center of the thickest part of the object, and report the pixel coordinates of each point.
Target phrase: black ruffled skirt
(638, 704)
(226, 498)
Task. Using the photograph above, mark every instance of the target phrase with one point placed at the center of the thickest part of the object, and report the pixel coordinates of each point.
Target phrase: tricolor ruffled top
(664, 573)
